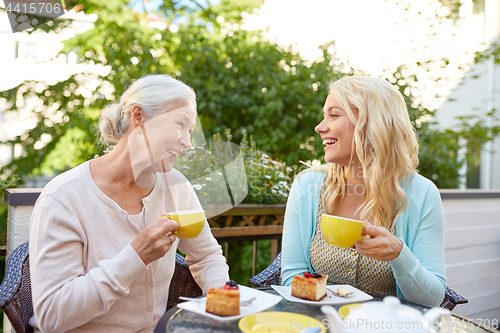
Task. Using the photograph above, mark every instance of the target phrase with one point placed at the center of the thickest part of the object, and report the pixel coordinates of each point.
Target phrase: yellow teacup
(341, 231)
(191, 222)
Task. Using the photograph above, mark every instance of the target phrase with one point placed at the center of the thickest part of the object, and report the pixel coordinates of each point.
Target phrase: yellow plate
(278, 322)
(344, 310)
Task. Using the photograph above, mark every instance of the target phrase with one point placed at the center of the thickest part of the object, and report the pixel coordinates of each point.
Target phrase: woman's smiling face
(169, 135)
(337, 132)
(154, 144)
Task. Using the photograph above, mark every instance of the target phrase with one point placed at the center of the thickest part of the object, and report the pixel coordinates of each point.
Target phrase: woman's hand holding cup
(379, 244)
(154, 241)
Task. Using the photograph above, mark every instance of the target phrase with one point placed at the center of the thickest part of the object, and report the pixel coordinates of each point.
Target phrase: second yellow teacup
(341, 231)
(191, 222)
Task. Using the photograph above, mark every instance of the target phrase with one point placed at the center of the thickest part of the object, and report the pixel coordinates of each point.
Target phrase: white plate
(357, 296)
(263, 302)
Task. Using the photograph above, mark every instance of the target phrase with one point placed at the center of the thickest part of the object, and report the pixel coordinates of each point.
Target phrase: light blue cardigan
(419, 269)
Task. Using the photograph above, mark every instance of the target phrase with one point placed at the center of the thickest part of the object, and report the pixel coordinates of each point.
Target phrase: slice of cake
(224, 301)
(311, 287)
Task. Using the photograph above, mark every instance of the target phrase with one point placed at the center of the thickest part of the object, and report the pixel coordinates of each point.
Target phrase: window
(30, 51)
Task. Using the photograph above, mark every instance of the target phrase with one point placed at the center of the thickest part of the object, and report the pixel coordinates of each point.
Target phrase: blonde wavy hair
(385, 143)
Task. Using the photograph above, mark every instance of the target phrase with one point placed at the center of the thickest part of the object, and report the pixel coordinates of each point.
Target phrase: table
(177, 320)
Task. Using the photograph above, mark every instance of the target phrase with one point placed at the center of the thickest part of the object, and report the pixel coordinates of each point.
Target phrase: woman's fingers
(372, 230)
(368, 243)
(168, 226)
(382, 246)
(172, 237)
(155, 240)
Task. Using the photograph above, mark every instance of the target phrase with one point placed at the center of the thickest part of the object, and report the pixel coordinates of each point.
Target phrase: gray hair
(156, 94)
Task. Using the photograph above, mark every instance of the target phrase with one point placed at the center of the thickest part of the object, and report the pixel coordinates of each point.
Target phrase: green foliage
(60, 109)
(453, 7)
(240, 259)
(268, 180)
(438, 155)
(8, 182)
(73, 148)
(493, 52)
(231, 10)
(438, 149)
(242, 82)
(5, 183)
(247, 84)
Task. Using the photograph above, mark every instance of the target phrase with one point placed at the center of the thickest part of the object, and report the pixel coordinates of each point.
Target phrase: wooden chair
(15, 291)
(272, 276)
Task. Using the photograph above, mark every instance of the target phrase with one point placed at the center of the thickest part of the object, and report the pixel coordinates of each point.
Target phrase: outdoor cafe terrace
(472, 240)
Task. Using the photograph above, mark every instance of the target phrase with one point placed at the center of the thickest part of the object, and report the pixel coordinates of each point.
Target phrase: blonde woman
(371, 150)
(102, 253)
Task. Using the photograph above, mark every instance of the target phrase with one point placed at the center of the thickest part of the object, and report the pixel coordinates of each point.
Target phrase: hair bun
(155, 94)
(111, 123)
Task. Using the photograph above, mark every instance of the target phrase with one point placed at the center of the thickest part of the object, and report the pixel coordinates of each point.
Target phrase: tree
(243, 82)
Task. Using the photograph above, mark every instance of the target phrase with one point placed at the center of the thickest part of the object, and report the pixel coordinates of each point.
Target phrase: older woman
(102, 253)
(371, 150)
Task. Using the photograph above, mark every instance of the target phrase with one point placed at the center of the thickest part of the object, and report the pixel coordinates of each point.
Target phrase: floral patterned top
(347, 266)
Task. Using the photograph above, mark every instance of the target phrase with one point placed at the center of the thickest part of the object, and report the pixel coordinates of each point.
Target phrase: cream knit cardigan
(85, 275)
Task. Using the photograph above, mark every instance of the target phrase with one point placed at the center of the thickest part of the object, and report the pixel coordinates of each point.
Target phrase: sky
(152, 5)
